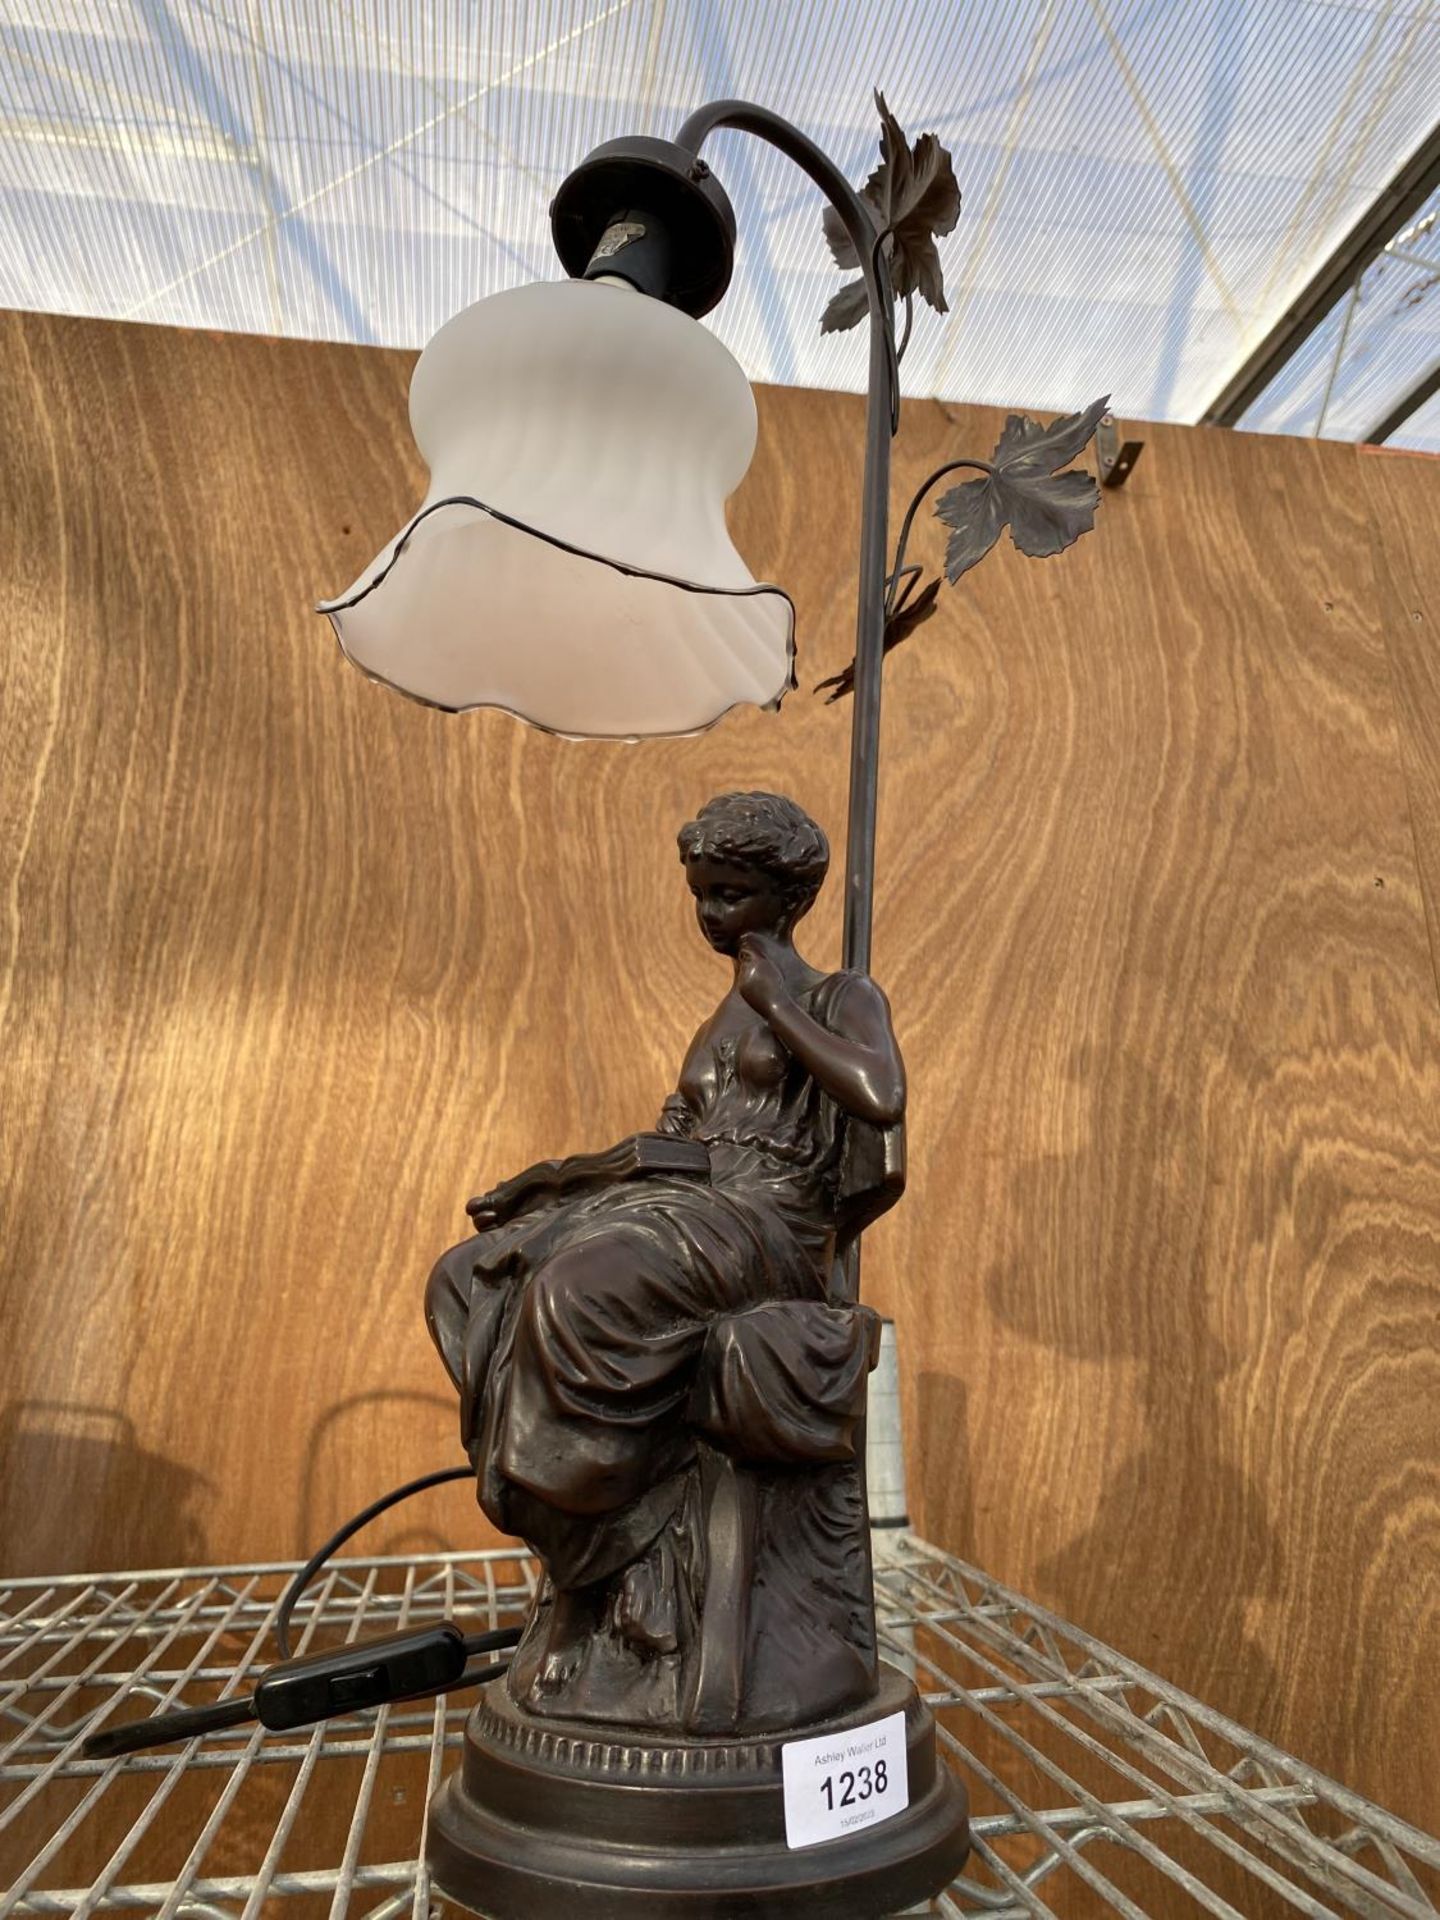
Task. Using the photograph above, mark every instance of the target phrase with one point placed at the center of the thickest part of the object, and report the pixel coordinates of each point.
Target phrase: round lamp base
(548, 1817)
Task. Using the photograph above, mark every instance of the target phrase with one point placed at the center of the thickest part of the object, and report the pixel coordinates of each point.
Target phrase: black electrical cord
(416, 1664)
(337, 1540)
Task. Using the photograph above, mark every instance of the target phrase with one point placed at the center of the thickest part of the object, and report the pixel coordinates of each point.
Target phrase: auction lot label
(841, 1782)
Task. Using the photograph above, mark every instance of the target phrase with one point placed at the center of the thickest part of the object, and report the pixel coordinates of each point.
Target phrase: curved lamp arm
(882, 419)
(866, 238)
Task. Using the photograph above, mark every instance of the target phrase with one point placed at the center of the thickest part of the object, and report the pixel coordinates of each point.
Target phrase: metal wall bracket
(1117, 457)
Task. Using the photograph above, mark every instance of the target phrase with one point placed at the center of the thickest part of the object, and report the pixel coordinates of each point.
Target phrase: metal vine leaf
(1045, 510)
(909, 613)
(912, 196)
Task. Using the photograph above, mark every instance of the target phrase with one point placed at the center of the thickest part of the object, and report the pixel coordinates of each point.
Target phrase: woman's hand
(856, 1061)
(758, 978)
(677, 1118)
(487, 1209)
(502, 1203)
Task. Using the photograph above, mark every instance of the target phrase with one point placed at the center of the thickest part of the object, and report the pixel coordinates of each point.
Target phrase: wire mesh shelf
(1096, 1787)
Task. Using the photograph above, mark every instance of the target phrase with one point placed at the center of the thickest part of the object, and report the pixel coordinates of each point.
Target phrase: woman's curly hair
(765, 831)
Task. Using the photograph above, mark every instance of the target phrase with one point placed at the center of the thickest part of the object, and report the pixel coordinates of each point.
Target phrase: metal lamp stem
(869, 657)
(882, 418)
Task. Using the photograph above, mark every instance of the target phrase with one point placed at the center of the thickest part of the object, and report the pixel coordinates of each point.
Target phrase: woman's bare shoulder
(850, 998)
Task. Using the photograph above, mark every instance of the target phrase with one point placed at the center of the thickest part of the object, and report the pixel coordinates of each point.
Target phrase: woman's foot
(647, 1609)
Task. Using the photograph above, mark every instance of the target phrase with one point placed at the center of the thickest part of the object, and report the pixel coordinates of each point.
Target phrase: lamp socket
(635, 247)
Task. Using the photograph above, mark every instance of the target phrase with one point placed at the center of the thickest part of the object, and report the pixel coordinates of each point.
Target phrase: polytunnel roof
(1148, 184)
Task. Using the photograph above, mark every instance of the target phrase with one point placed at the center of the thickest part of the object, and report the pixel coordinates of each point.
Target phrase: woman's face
(731, 901)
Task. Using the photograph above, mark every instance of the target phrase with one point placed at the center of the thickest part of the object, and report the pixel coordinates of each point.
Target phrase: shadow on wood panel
(942, 1410)
(1177, 1517)
(70, 1472)
(419, 1433)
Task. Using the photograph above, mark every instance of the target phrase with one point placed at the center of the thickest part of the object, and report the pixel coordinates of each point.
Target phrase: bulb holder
(684, 254)
(635, 247)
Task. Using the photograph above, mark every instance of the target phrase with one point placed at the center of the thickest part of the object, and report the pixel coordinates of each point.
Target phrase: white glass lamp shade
(571, 562)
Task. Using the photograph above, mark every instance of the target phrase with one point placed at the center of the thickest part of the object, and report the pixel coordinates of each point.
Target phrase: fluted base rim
(513, 1840)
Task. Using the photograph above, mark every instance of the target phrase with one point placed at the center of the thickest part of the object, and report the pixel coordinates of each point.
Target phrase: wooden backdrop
(291, 967)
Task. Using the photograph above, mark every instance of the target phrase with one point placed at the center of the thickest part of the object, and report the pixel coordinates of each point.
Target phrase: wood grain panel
(1402, 490)
(1193, 1102)
(292, 967)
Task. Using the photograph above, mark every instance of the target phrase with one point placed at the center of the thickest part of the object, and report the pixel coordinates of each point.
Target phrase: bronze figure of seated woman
(659, 1370)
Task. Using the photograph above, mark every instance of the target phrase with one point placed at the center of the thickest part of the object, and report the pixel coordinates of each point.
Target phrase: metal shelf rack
(1097, 1788)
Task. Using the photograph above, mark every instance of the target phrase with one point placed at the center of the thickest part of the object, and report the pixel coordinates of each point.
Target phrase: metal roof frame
(1410, 188)
(1407, 405)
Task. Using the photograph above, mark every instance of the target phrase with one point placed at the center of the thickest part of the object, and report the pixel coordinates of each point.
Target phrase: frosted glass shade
(570, 561)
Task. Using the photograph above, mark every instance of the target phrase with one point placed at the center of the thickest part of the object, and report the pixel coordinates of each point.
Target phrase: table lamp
(659, 1349)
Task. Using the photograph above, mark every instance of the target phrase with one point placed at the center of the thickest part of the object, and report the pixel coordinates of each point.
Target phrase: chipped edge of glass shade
(332, 609)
